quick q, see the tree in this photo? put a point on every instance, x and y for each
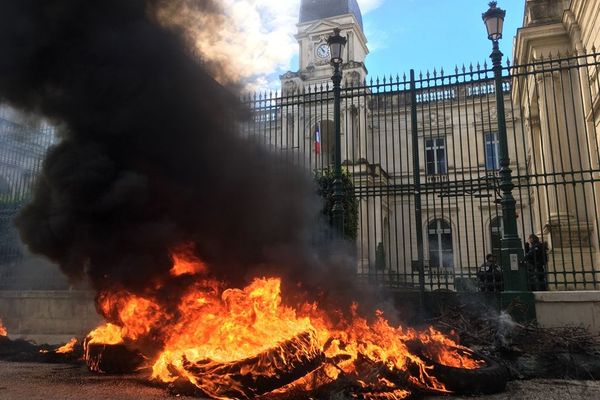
(324, 179)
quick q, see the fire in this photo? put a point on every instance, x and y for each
(226, 326)
(218, 337)
(185, 263)
(108, 334)
(3, 331)
(398, 394)
(68, 347)
(239, 324)
(446, 351)
(137, 315)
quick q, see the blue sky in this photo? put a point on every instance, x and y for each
(402, 34)
(423, 34)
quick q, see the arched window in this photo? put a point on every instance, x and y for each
(441, 254)
(496, 231)
(326, 130)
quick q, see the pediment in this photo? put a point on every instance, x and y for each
(325, 26)
(321, 25)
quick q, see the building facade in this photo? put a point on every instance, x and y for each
(423, 150)
(560, 104)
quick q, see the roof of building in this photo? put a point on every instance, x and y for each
(313, 10)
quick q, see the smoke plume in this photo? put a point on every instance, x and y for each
(149, 157)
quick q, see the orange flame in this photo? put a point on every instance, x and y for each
(67, 348)
(136, 314)
(397, 394)
(105, 334)
(215, 326)
(447, 352)
(227, 326)
(3, 331)
(186, 263)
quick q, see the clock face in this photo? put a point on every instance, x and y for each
(323, 51)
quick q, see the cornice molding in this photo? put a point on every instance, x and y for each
(553, 36)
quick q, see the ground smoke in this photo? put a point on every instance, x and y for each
(149, 157)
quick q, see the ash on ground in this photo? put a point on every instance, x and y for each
(527, 350)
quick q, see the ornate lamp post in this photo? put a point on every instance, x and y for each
(512, 251)
(336, 44)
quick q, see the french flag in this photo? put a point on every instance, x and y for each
(318, 140)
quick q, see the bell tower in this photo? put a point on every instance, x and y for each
(317, 20)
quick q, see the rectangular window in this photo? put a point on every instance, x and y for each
(441, 253)
(491, 151)
(435, 156)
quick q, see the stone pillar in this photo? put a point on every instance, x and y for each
(562, 138)
(552, 142)
(562, 132)
(540, 194)
(373, 210)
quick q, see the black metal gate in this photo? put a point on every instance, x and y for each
(22, 148)
(423, 153)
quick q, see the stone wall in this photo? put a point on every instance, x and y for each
(48, 316)
(560, 309)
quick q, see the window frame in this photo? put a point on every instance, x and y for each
(441, 242)
(440, 167)
(491, 141)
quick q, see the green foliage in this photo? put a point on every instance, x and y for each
(324, 179)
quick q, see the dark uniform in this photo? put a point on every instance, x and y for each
(537, 258)
(490, 277)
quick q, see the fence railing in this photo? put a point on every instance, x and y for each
(428, 220)
(553, 121)
(22, 148)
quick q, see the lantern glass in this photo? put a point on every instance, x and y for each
(336, 52)
(336, 44)
(494, 21)
(494, 28)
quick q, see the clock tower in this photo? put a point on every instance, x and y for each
(304, 124)
(318, 18)
(307, 110)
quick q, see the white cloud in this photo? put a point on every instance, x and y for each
(367, 6)
(257, 41)
(265, 42)
(269, 34)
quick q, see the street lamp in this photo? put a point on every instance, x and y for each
(515, 278)
(336, 44)
(494, 21)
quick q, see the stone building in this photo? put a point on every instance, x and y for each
(561, 107)
(457, 145)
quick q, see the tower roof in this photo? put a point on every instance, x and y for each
(312, 10)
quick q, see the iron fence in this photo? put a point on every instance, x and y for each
(423, 153)
(22, 148)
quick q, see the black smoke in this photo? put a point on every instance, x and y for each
(149, 157)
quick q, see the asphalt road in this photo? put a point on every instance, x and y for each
(22, 381)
